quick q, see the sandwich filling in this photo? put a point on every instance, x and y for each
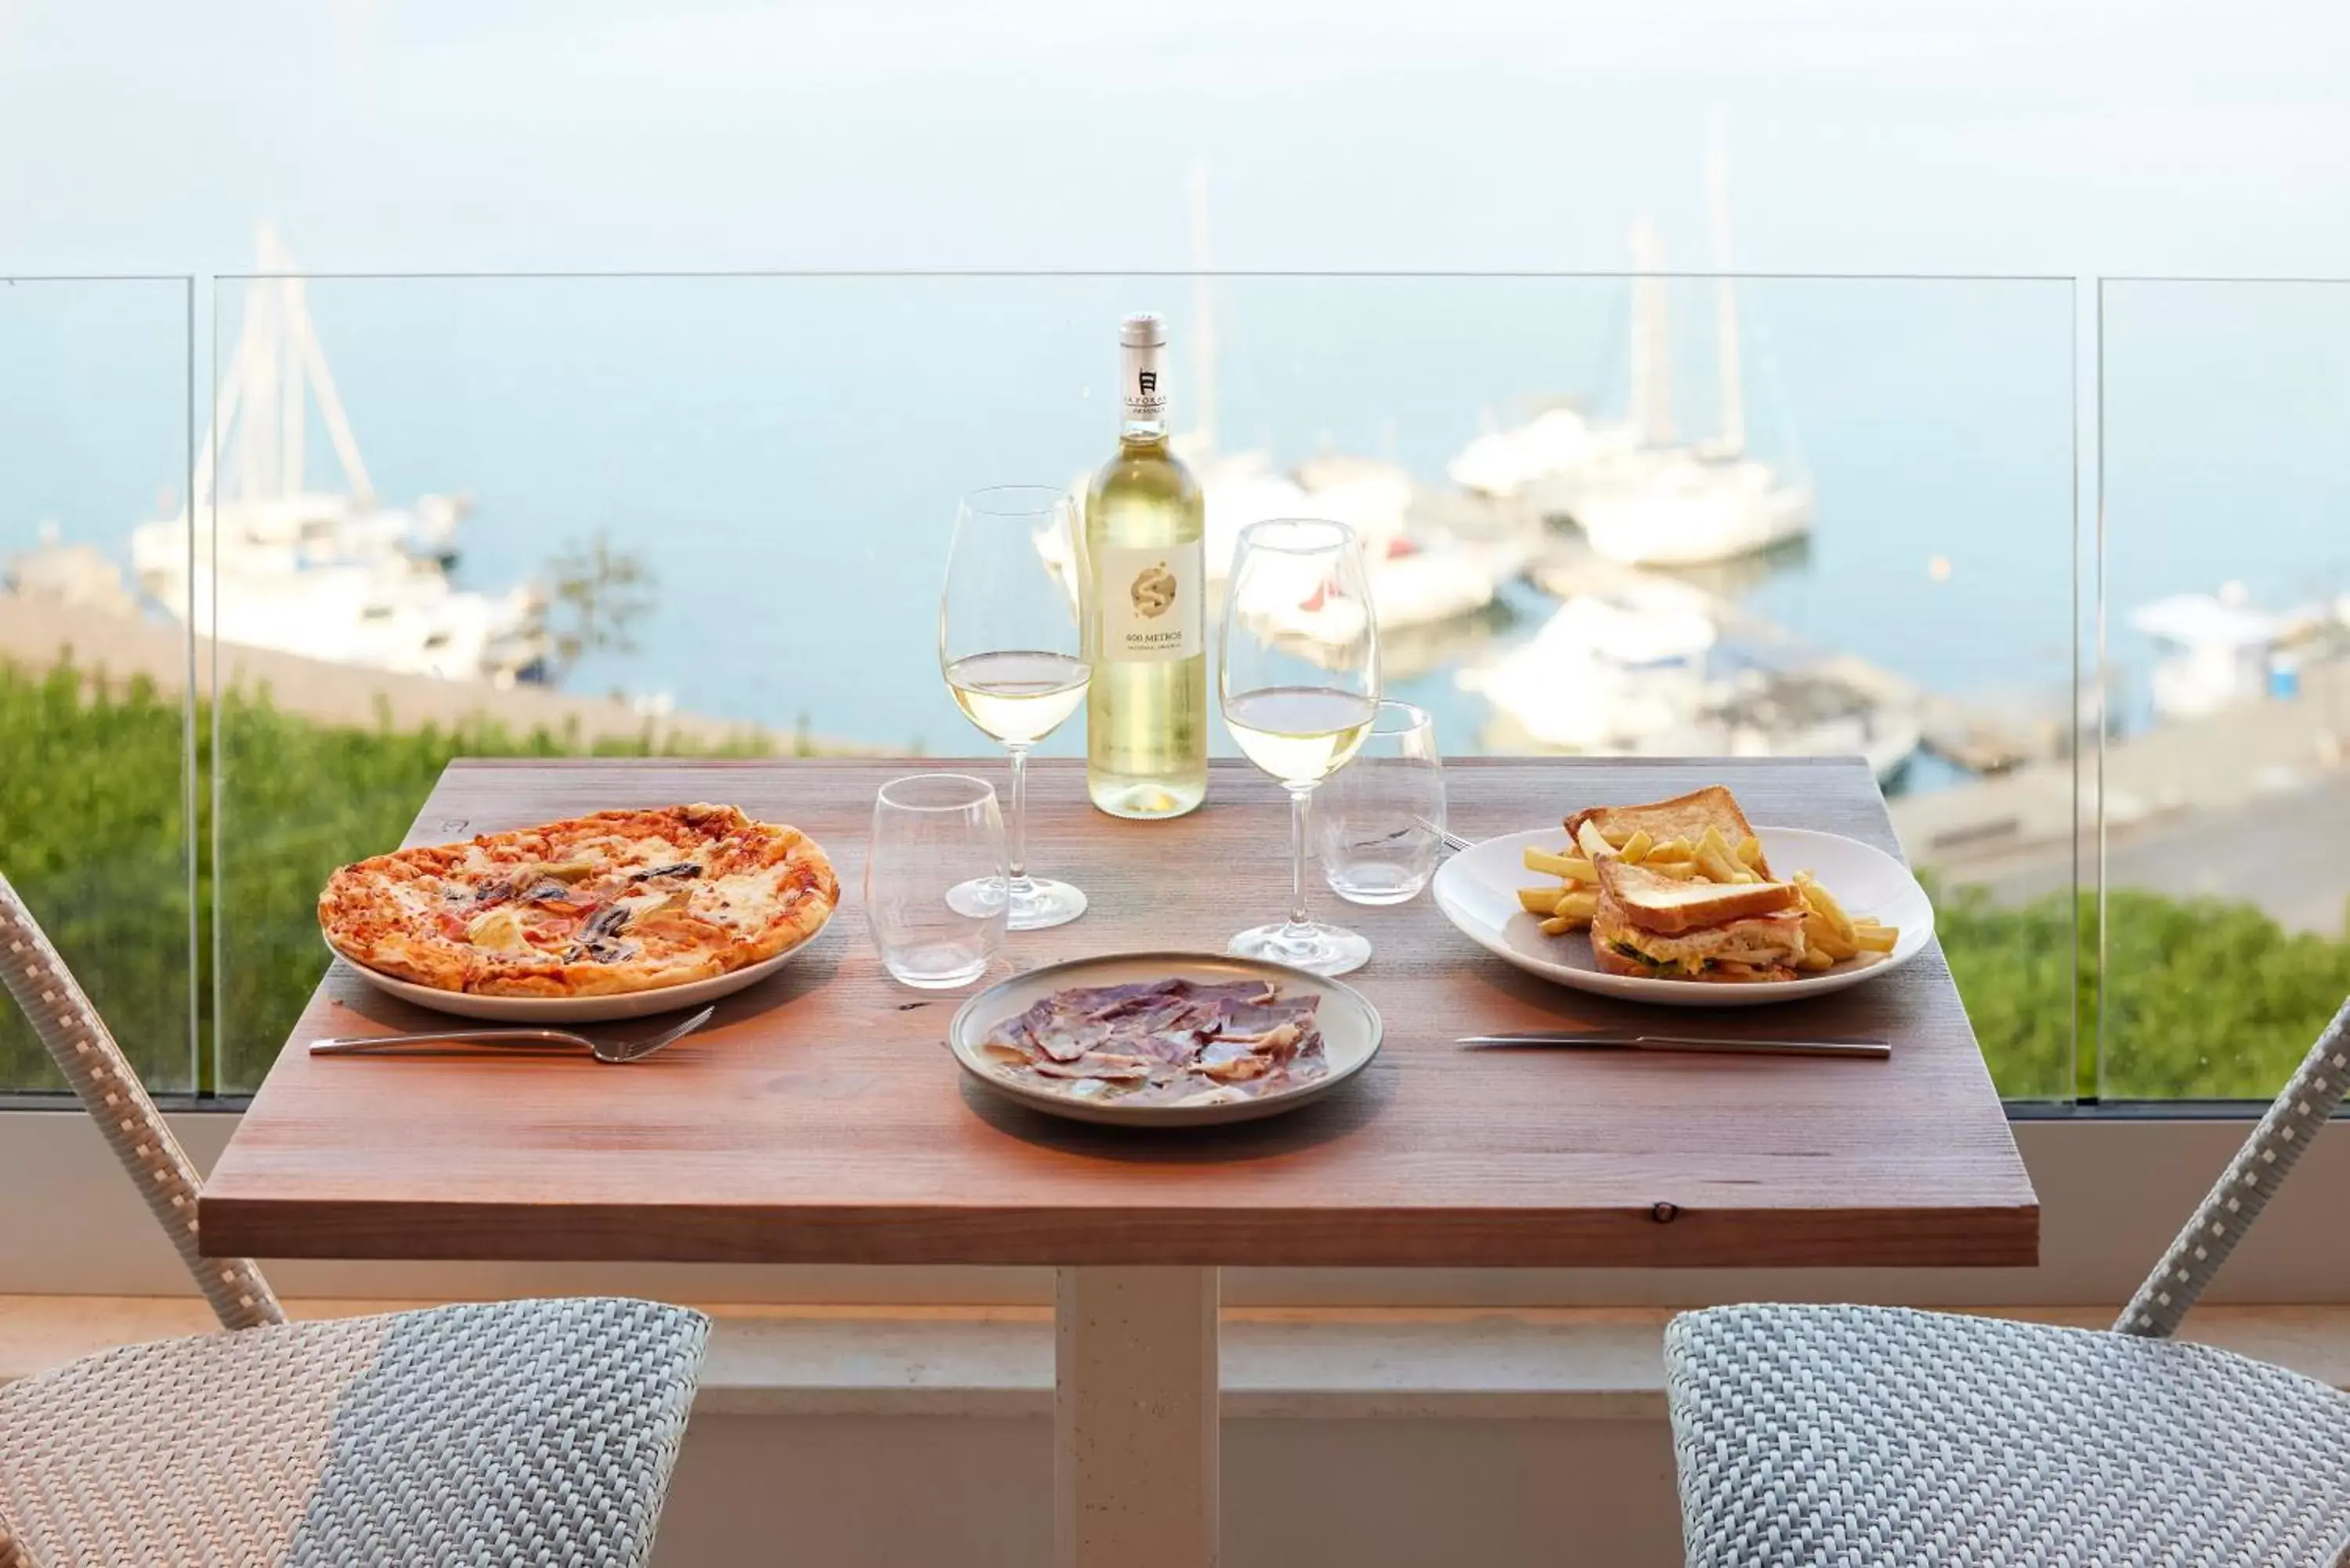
(1754, 947)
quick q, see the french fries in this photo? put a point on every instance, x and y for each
(1823, 902)
(1831, 934)
(1715, 860)
(1566, 866)
(1569, 904)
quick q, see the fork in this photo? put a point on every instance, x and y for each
(1451, 840)
(611, 1051)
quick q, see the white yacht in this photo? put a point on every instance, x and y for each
(1632, 670)
(329, 574)
(1692, 508)
(1607, 673)
(1639, 495)
(2219, 651)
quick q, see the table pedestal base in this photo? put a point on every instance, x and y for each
(1134, 1418)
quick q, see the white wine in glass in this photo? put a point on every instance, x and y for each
(1299, 734)
(1300, 687)
(1012, 641)
(1018, 695)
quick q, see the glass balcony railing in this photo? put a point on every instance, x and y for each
(101, 803)
(2226, 575)
(458, 515)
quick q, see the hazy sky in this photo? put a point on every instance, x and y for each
(1999, 135)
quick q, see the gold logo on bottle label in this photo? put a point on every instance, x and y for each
(1153, 591)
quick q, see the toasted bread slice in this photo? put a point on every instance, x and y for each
(1658, 903)
(1683, 817)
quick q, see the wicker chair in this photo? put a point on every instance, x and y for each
(531, 1432)
(1847, 1436)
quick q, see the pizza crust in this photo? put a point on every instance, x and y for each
(615, 902)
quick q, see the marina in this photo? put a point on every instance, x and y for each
(1576, 583)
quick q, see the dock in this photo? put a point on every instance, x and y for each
(39, 633)
(1978, 735)
(2251, 803)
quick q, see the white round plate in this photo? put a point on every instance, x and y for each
(1478, 891)
(1350, 1032)
(581, 1009)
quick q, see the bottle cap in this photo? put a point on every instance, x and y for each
(1145, 329)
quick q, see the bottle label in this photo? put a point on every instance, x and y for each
(1149, 601)
(1143, 385)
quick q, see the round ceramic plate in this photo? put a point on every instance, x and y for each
(581, 1009)
(1478, 891)
(1350, 1032)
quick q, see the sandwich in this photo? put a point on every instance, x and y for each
(1685, 816)
(1661, 928)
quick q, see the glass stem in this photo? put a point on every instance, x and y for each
(1297, 799)
(1016, 830)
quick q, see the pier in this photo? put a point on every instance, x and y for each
(2251, 803)
(38, 633)
(1977, 736)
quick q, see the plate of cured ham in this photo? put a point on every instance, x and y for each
(1165, 1039)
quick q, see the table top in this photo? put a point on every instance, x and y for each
(820, 1118)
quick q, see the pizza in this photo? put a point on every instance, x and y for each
(591, 906)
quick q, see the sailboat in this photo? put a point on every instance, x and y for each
(1639, 495)
(1418, 578)
(330, 574)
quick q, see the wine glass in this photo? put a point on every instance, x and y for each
(1299, 686)
(1011, 645)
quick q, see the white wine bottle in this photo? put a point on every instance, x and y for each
(1146, 710)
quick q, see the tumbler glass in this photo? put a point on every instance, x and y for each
(1378, 823)
(932, 833)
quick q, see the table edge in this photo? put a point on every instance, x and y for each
(1977, 1235)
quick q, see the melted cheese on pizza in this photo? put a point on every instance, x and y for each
(622, 893)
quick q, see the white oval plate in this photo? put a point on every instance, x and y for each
(1478, 891)
(581, 1009)
(1350, 1032)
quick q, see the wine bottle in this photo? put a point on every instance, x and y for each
(1147, 709)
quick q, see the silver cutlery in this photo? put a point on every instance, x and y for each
(1616, 1039)
(1451, 840)
(543, 1040)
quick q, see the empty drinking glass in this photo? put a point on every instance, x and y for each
(1378, 822)
(931, 833)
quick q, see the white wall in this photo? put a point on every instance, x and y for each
(882, 1491)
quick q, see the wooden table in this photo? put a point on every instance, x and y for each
(820, 1119)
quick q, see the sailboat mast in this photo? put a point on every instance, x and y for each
(1203, 315)
(1652, 349)
(293, 402)
(1725, 301)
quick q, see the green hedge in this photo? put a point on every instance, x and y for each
(93, 834)
(2203, 999)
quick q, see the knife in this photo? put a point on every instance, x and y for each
(1605, 1039)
